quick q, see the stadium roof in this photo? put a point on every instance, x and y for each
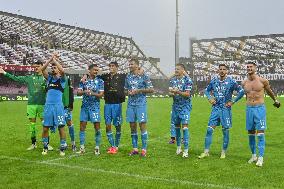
(258, 47)
(78, 46)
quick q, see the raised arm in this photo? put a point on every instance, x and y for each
(59, 66)
(43, 68)
(21, 79)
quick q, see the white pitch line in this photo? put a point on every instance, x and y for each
(67, 157)
(142, 177)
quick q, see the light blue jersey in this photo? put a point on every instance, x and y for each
(96, 85)
(181, 105)
(183, 84)
(133, 82)
(55, 88)
(222, 91)
(53, 109)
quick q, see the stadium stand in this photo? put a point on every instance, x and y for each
(24, 40)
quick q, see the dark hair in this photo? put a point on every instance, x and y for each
(38, 62)
(181, 65)
(136, 61)
(114, 63)
(91, 66)
(251, 63)
(224, 66)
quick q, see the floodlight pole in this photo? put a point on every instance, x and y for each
(177, 36)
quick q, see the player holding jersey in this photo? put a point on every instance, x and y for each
(219, 93)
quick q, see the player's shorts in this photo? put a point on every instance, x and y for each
(221, 116)
(180, 117)
(256, 117)
(54, 115)
(136, 114)
(113, 114)
(92, 115)
(34, 111)
(68, 114)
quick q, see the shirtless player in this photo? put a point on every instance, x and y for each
(254, 87)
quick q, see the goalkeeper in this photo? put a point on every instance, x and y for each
(36, 97)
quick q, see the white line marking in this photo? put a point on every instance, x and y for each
(68, 157)
(142, 177)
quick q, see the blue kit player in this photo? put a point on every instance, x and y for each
(219, 93)
(92, 89)
(137, 86)
(180, 89)
(54, 109)
(255, 87)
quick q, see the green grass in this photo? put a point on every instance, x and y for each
(161, 169)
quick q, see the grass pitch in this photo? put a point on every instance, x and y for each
(160, 169)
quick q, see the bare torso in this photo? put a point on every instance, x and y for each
(254, 90)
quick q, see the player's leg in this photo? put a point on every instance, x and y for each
(226, 122)
(98, 137)
(117, 122)
(185, 140)
(108, 119)
(131, 118)
(59, 121)
(62, 136)
(172, 131)
(142, 120)
(95, 118)
(31, 114)
(185, 119)
(49, 114)
(250, 127)
(45, 132)
(40, 112)
(214, 120)
(260, 127)
(261, 146)
(68, 119)
(82, 135)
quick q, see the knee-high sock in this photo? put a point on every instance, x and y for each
(178, 138)
(186, 138)
(110, 138)
(63, 144)
(117, 135)
(261, 144)
(173, 130)
(134, 138)
(33, 132)
(98, 137)
(71, 133)
(226, 138)
(144, 138)
(45, 142)
(252, 143)
(208, 137)
(82, 138)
